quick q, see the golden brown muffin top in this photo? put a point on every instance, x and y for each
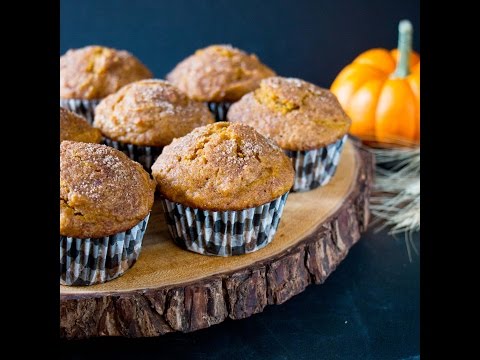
(223, 166)
(296, 114)
(149, 113)
(219, 73)
(75, 128)
(102, 191)
(94, 72)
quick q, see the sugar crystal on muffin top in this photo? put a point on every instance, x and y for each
(223, 166)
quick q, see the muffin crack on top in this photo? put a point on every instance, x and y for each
(223, 166)
(65, 202)
(298, 115)
(275, 102)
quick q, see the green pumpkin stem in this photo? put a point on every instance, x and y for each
(405, 30)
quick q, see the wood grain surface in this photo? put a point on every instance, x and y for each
(171, 289)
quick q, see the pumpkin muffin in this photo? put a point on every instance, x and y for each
(223, 188)
(305, 120)
(75, 128)
(144, 116)
(219, 75)
(89, 74)
(105, 202)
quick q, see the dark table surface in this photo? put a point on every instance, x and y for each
(369, 308)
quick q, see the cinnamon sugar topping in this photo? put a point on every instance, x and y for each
(223, 166)
(102, 191)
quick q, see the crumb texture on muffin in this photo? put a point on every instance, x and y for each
(150, 113)
(296, 114)
(75, 128)
(219, 73)
(94, 72)
(223, 166)
(102, 191)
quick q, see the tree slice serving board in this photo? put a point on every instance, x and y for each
(171, 289)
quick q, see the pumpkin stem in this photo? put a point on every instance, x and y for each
(405, 30)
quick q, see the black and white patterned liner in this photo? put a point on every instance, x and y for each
(219, 109)
(223, 233)
(145, 155)
(97, 260)
(314, 168)
(83, 107)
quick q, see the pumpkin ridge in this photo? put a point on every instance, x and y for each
(380, 92)
(362, 128)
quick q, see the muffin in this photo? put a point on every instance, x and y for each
(75, 128)
(219, 75)
(303, 119)
(142, 117)
(223, 188)
(105, 203)
(89, 74)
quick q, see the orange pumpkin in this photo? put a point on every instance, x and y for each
(380, 91)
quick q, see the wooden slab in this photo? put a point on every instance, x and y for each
(170, 289)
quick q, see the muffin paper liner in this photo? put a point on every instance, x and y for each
(219, 109)
(97, 260)
(223, 233)
(83, 107)
(314, 168)
(145, 155)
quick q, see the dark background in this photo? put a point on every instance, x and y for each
(369, 307)
(312, 40)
